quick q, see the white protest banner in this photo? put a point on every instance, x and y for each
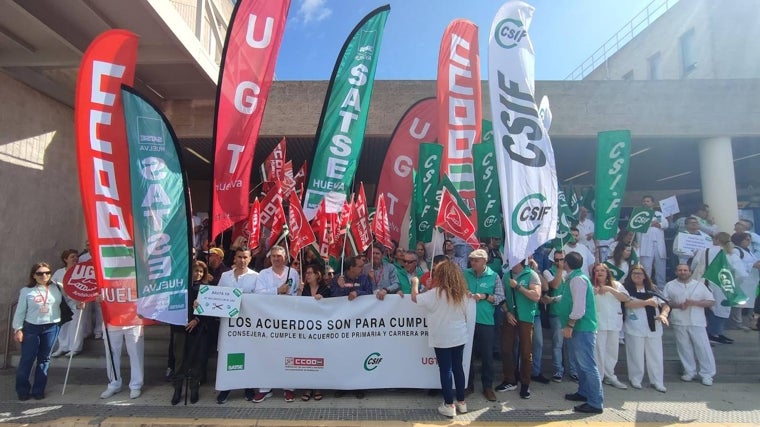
(669, 206)
(218, 301)
(291, 342)
(692, 242)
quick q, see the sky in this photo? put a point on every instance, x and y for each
(564, 34)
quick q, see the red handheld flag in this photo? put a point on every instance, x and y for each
(452, 219)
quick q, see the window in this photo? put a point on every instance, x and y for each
(655, 66)
(688, 52)
(628, 75)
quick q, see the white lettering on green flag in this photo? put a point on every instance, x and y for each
(344, 116)
(612, 160)
(428, 176)
(487, 196)
(159, 202)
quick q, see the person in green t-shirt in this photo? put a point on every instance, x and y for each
(520, 307)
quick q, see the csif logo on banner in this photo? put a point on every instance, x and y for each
(640, 219)
(610, 223)
(372, 361)
(509, 33)
(529, 213)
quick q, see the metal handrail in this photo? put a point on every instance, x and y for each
(8, 337)
(636, 25)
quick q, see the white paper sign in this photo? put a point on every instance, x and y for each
(217, 301)
(297, 342)
(669, 206)
(692, 242)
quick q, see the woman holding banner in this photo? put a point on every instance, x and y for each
(70, 340)
(314, 286)
(446, 308)
(36, 323)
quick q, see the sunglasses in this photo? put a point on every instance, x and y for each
(42, 273)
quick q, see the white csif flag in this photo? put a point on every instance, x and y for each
(525, 159)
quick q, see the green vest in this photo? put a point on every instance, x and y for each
(485, 284)
(587, 323)
(554, 308)
(403, 279)
(526, 309)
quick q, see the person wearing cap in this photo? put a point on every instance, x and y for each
(488, 291)
(216, 265)
(520, 308)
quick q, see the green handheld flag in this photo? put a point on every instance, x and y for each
(641, 219)
(488, 195)
(427, 188)
(721, 275)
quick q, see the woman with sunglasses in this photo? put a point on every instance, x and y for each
(36, 324)
(643, 330)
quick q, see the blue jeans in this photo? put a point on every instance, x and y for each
(715, 324)
(589, 382)
(37, 344)
(557, 344)
(450, 362)
(483, 345)
(538, 345)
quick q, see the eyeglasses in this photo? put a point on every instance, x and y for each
(637, 273)
(42, 273)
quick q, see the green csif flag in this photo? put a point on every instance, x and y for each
(412, 244)
(612, 160)
(344, 115)
(641, 219)
(587, 199)
(162, 230)
(426, 202)
(488, 195)
(720, 274)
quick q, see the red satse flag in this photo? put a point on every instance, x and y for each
(380, 225)
(300, 233)
(253, 227)
(452, 219)
(245, 77)
(271, 169)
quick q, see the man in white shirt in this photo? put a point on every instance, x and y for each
(586, 231)
(742, 226)
(684, 253)
(688, 300)
(588, 258)
(652, 245)
(246, 279)
(279, 279)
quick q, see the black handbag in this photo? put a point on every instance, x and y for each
(66, 313)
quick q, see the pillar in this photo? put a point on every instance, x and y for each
(716, 161)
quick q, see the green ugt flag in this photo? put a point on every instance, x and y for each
(488, 195)
(344, 115)
(612, 160)
(720, 274)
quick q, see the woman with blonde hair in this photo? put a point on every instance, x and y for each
(608, 295)
(446, 307)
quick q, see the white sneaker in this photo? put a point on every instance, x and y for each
(447, 411)
(687, 377)
(135, 393)
(615, 383)
(659, 387)
(637, 386)
(707, 381)
(461, 407)
(110, 391)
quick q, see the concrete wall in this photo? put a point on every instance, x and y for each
(40, 213)
(725, 35)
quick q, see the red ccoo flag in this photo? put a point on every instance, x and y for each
(253, 227)
(300, 233)
(452, 219)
